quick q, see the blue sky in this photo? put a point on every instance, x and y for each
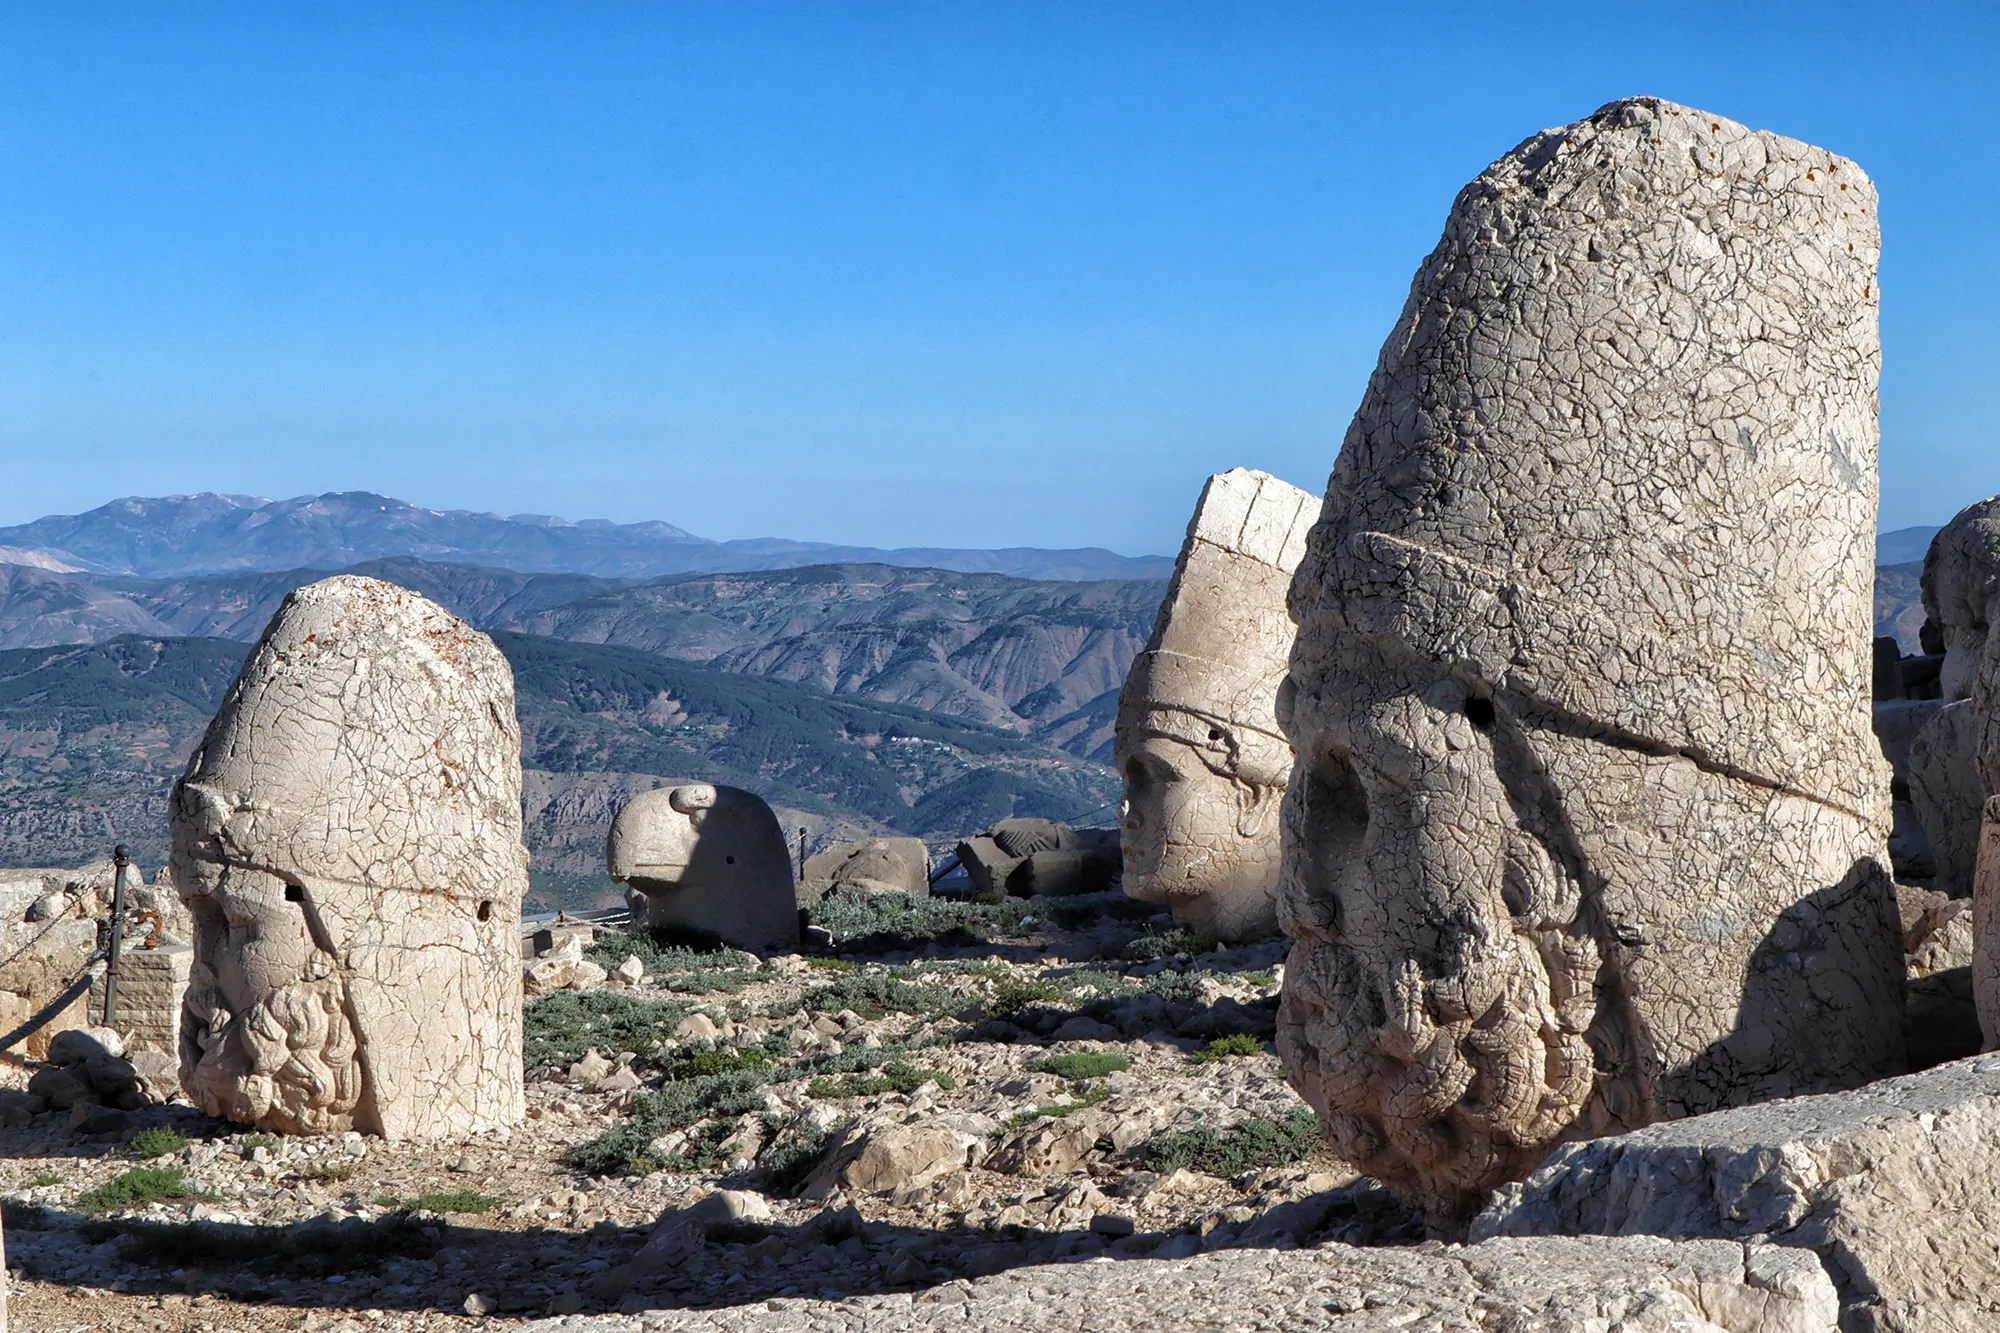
(887, 273)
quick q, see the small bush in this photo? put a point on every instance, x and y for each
(137, 1188)
(155, 1142)
(250, 1143)
(559, 1028)
(1172, 985)
(872, 995)
(329, 1172)
(660, 953)
(1061, 1109)
(708, 983)
(1253, 1144)
(790, 1158)
(704, 1064)
(1084, 1064)
(892, 922)
(45, 1178)
(894, 1077)
(309, 1249)
(626, 1147)
(1222, 1048)
(1169, 942)
(1012, 997)
(457, 1201)
(831, 964)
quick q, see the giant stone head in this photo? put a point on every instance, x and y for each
(348, 840)
(1198, 746)
(1587, 824)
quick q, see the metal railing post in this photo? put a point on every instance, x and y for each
(121, 859)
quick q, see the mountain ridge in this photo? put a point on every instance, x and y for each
(208, 533)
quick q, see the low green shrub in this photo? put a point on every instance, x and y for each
(559, 1028)
(309, 1249)
(789, 1158)
(1014, 996)
(626, 1147)
(894, 1077)
(872, 995)
(893, 922)
(1056, 1112)
(137, 1188)
(1238, 1044)
(703, 1064)
(661, 954)
(457, 1201)
(1168, 942)
(155, 1142)
(1253, 1144)
(1084, 1064)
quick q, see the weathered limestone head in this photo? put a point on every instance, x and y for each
(1961, 589)
(348, 840)
(1198, 743)
(1587, 825)
(706, 859)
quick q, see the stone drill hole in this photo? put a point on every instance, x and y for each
(486, 910)
(1479, 711)
(729, 860)
(294, 894)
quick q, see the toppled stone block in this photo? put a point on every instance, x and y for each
(1037, 858)
(1588, 826)
(1198, 745)
(348, 839)
(707, 860)
(885, 1155)
(877, 865)
(1894, 1186)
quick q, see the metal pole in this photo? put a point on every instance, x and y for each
(121, 859)
(802, 856)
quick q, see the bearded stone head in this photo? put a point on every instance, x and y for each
(1198, 746)
(347, 839)
(1587, 824)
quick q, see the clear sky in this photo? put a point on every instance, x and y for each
(888, 273)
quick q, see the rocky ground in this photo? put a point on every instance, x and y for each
(946, 1092)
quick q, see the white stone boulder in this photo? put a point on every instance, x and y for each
(1888, 1185)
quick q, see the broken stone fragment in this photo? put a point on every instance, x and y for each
(876, 865)
(1886, 1186)
(706, 860)
(348, 839)
(1198, 745)
(1588, 823)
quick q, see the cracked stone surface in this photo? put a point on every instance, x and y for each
(1588, 824)
(347, 838)
(1635, 1286)
(1961, 592)
(706, 858)
(1889, 1185)
(1955, 759)
(1198, 743)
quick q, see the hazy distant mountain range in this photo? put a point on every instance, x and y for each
(92, 736)
(178, 535)
(1032, 656)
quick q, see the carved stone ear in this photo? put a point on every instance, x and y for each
(1256, 805)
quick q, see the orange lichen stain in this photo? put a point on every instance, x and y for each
(1810, 176)
(1717, 128)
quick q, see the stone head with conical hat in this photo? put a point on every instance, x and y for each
(1587, 822)
(1198, 744)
